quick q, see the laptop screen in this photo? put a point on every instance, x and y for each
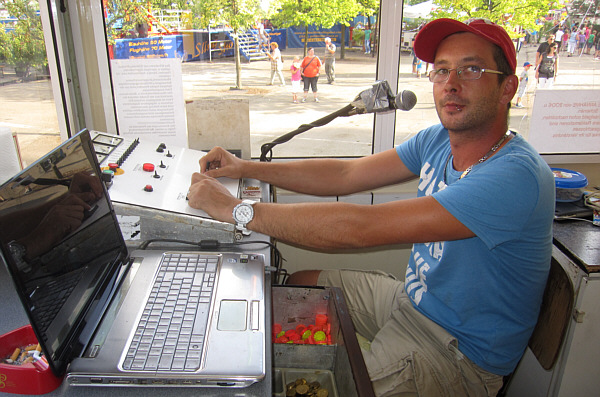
(62, 245)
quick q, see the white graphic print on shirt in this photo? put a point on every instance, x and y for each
(416, 278)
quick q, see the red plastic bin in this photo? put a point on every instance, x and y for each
(25, 378)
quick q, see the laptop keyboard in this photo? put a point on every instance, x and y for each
(170, 334)
(52, 296)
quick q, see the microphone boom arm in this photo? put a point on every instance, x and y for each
(377, 99)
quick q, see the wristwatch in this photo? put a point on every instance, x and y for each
(243, 213)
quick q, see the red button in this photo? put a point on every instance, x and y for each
(148, 167)
(148, 188)
(113, 166)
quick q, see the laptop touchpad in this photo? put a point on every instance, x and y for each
(232, 315)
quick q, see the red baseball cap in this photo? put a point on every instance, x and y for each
(432, 34)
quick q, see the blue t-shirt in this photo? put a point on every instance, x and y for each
(486, 291)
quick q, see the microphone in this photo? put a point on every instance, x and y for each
(380, 98)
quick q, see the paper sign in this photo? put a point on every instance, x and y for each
(149, 99)
(566, 121)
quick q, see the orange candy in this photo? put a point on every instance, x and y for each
(318, 333)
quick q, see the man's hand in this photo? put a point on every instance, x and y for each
(219, 162)
(87, 187)
(60, 220)
(209, 195)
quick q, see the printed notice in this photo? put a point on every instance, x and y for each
(149, 99)
(566, 121)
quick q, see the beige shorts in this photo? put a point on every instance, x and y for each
(409, 354)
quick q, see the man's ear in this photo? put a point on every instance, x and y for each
(510, 86)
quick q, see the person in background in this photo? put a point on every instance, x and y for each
(543, 47)
(572, 43)
(415, 60)
(580, 41)
(462, 316)
(421, 68)
(519, 42)
(547, 68)
(276, 64)
(263, 36)
(142, 29)
(329, 59)
(565, 40)
(558, 38)
(296, 70)
(311, 65)
(523, 80)
(591, 40)
(367, 41)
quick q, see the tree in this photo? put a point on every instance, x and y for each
(508, 13)
(238, 14)
(23, 47)
(324, 13)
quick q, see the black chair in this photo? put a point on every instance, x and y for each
(553, 321)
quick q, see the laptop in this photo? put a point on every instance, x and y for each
(104, 316)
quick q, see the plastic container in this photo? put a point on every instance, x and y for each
(569, 184)
(337, 365)
(25, 378)
(285, 376)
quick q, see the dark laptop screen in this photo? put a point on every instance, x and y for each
(61, 244)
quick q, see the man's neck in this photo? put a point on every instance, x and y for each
(468, 147)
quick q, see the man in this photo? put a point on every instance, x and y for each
(263, 37)
(544, 47)
(329, 60)
(466, 309)
(558, 38)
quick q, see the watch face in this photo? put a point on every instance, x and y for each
(244, 213)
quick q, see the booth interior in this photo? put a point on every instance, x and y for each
(62, 349)
(308, 340)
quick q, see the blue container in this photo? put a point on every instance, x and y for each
(569, 184)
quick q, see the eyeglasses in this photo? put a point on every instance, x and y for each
(468, 72)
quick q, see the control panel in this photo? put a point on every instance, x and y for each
(149, 174)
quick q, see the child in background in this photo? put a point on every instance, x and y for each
(523, 80)
(422, 68)
(419, 68)
(296, 77)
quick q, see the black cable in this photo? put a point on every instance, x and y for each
(266, 152)
(213, 245)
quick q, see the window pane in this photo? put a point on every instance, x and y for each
(28, 108)
(208, 73)
(578, 71)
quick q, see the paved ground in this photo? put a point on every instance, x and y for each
(28, 108)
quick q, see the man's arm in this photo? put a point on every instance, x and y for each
(335, 225)
(320, 177)
(327, 225)
(343, 225)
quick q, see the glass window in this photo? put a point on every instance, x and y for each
(577, 70)
(221, 102)
(28, 108)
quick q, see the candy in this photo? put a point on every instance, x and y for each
(318, 333)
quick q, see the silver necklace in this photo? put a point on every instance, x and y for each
(481, 160)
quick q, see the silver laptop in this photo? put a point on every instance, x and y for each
(107, 317)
